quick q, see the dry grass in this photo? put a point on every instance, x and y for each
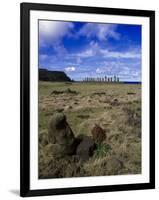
(85, 104)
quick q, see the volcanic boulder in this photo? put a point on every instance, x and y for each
(85, 148)
(61, 134)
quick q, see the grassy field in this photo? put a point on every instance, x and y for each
(114, 107)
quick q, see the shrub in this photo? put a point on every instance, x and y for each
(102, 150)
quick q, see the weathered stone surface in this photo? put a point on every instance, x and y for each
(60, 133)
(85, 148)
(58, 151)
(98, 134)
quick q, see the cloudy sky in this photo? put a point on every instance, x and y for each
(84, 49)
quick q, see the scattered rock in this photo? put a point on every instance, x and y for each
(68, 83)
(115, 102)
(67, 91)
(68, 107)
(56, 92)
(131, 93)
(83, 116)
(99, 93)
(59, 109)
(85, 148)
(60, 133)
(98, 134)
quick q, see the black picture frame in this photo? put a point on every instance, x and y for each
(25, 9)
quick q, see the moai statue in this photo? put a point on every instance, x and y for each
(105, 79)
(61, 134)
(114, 78)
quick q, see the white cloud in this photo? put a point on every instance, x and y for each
(59, 48)
(108, 67)
(125, 70)
(43, 57)
(95, 50)
(53, 30)
(86, 53)
(100, 70)
(92, 50)
(78, 60)
(70, 69)
(115, 54)
(101, 31)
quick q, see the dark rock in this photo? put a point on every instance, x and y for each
(56, 92)
(131, 93)
(67, 91)
(68, 107)
(99, 93)
(46, 75)
(85, 148)
(83, 116)
(60, 133)
(115, 102)
(59, 109)
(98, 134)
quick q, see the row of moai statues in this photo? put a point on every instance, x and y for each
(102, 79)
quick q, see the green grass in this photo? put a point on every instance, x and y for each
(102, 150)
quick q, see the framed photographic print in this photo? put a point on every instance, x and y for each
(87, 99)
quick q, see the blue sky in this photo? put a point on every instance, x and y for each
(82, 49)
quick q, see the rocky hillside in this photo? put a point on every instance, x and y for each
(45, 75)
